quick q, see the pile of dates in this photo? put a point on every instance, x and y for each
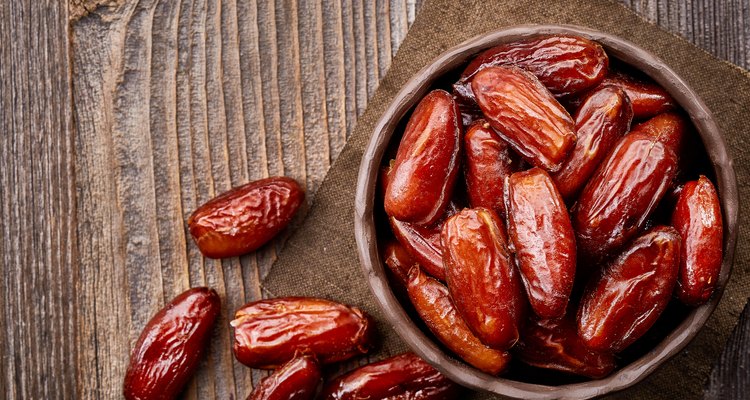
(548, 210)
(294, 336)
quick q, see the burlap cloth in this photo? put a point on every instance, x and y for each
(320, 258)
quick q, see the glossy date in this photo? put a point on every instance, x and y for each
(669, 128)
(487, 161)
(648, 98)
(555, 344)
(626, 188)
(433, 303)
(423, 244)
(565, 65)
(524, 114)
(405, 376)
(601, 121)
(398, 261)
(627, 297)
(543, 240)
(697, 217)
(298, 379)
(245, 218)
(268, 333)
(422, 177)
(171, 346)
(481, 277)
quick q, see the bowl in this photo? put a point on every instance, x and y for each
(672, 334)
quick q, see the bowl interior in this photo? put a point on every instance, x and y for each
(678, 323)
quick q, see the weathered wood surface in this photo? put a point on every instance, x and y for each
(114, 129)
(730, 378)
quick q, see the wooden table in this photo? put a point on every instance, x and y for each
(119, 117)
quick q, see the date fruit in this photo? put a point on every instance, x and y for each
(423, 243)
(268, 333)
(623, 192)
(565, 65)
(171, 346)
(488, 160)
(399, 261)
(433, 303)
(555, 344)
(668, 128)
(543, 240)
(648, 99)
(627, 297)
(600, 122)
(481, 277)
(405, 376)
(524, 114)
(427, 162)
(697, 217)
(245, 218)
(296, 380)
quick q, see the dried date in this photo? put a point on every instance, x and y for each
(481, 277)
(488, 160)
(627, 297)
(422, 177)
(171, 346)
(555, 344)
(245, 218)
(626, 188)
(298, 379)
(433, 303)
(697, 217)
(268, 333)
(602, 120)
(524, 113)
(405, 376)
(543, 240)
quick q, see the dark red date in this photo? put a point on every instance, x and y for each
(423, 243)
(481, 277)
(600, 122)
(697, 217)
(171, 346)
(555, 344)
(543, 240)
(623, 192)
(628, 296)
(245, 218)
(427, 162)
(433, 303)
(524, 113)
(268, 333)
(405, 376)
(564, 64)
(296, 380)
(399, 261)
(648, 99)
(668, 128)
(488, 160)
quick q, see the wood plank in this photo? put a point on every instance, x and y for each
(720, 27)
(37, 204)
(730, 379)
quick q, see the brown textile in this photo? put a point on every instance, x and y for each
(320, 258)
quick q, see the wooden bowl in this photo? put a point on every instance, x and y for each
(678, 324)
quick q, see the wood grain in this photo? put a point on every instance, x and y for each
(37, 204)
(730, 378)
(117, 126)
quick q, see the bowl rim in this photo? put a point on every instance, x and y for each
(367, 246)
